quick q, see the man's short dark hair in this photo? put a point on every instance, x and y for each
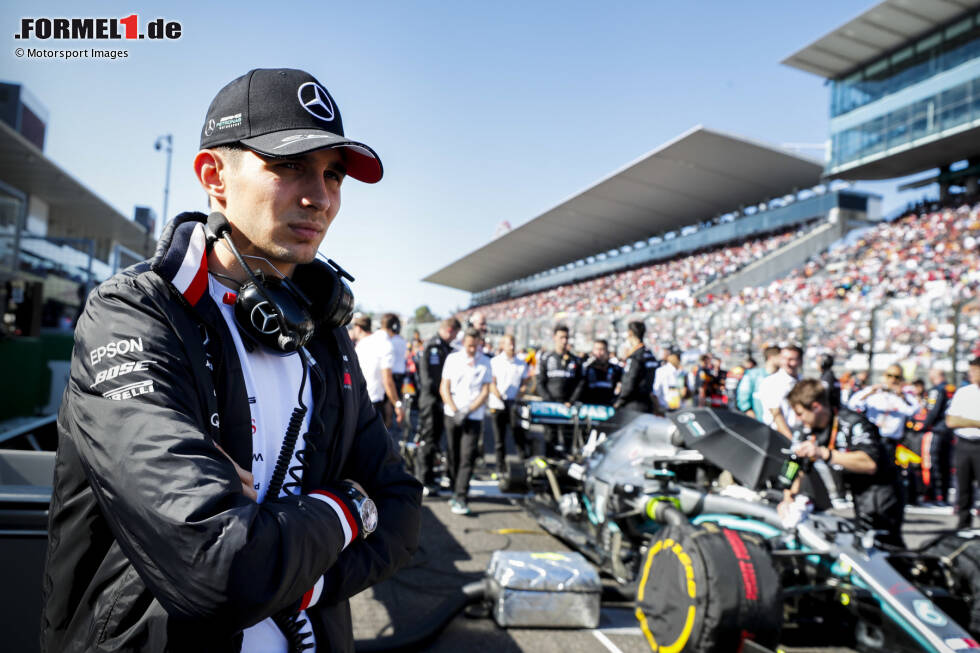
(391, 321)
(232, 149)
(807, 391)
(231, 153)
(825, 362)
(601, 341)
(473, 332)
(638, 329)
(560, 327)
(363, 322)
(770, 352)
(450, 323)
(975, 362)
(793, 347)
(919, 383)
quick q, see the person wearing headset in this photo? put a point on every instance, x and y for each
(223, 482)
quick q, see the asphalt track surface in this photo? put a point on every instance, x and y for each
(455, 550)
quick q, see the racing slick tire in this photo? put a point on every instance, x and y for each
(962, 554)
(708, 589)
(514, 477)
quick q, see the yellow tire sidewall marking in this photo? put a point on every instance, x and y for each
(678, 644)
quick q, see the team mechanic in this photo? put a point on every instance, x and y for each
(639, 372)
(168, 531)
(559, 372)
(849, 440)
(429, 363)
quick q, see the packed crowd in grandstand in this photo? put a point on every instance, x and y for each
(911, 272)
(649, 288)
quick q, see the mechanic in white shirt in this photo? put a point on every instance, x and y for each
(477, 321)
(669, 383)
(465, 386)
(509, 374)
(392, 326)
(886, 405)
(376, 358)
(963, 416)
(777, 413)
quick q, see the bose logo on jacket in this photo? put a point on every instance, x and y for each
(120, 370)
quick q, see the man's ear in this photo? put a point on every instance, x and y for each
(210, 170)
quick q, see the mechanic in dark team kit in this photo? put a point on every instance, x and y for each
(431, 419)
(559, 372)
(936, 446)
(599, 378)
(235, 487)
(826, 364)
(638, 374)
(843, 438)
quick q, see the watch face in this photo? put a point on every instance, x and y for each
(369, 516)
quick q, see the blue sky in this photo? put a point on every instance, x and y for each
(481, 112)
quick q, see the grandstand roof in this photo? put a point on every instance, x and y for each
(694, 177)
(877, 31)
(73, 210)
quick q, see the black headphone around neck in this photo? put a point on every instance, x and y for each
(274, 311)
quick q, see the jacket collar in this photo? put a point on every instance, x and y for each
(181, 256)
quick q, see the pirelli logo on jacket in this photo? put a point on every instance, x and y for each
(130, 391)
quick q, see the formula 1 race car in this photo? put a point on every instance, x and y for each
(681, 512)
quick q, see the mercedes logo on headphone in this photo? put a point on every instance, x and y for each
(316, 101)
(264, 319)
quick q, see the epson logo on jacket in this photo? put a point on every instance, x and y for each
(115, 348)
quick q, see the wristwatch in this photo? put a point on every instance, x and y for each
(365, 508)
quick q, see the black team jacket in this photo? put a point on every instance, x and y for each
(152, 544)
(638, 375)
(558, 376)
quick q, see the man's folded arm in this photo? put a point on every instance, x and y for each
(172, 499)
(377, 466)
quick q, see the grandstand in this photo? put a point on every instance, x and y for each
(712, 242)
(57, 239)
(904, 291)
(701, 190)
(905, 92)
(53, 230)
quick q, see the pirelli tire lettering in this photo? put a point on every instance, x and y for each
(708, 589)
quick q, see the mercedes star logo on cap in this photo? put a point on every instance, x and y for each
(316, 101)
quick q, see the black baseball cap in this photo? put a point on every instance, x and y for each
(284, 112)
